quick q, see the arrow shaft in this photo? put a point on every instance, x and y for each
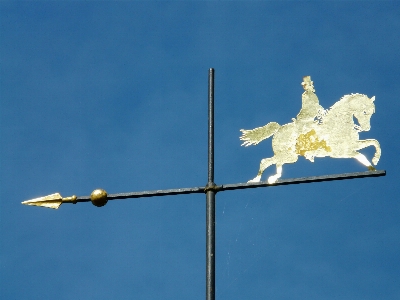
(239, 186)
(143, 194)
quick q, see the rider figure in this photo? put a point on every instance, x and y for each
(309, 117)
(310, 108)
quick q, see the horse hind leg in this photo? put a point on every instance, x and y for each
(274, 178)
(265, 163)
(280, 160)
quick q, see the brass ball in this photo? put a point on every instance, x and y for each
(99, 197)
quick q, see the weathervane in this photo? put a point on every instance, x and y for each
(317, 132)
(314, 133)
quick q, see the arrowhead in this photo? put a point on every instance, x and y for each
(51, 201)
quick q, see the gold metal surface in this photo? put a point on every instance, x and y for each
(99, 197)
(71, 199)
(51, 201)
(317, 132)
(308, 142)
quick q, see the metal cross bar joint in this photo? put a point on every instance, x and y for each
(211, 186)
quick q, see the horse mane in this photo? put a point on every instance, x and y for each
(343, 100)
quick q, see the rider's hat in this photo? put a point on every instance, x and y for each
(307, 83)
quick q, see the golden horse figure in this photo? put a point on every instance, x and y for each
(330, 133)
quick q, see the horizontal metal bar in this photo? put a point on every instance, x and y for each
(148, 194)
(239, 186)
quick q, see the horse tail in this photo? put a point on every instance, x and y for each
(256, 135)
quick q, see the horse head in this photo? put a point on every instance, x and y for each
(363, 108)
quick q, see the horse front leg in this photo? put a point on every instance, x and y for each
(362, 159)
(265, 163)
(371, 142)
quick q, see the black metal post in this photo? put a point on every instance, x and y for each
(210, 195)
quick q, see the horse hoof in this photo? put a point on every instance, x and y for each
(272, 179)
(256, 179)
(375, 161)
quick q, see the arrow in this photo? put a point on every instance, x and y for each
(99, 197)
(51, 201)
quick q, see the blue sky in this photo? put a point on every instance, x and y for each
(113, 95)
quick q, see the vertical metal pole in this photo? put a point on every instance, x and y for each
(210, 195)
